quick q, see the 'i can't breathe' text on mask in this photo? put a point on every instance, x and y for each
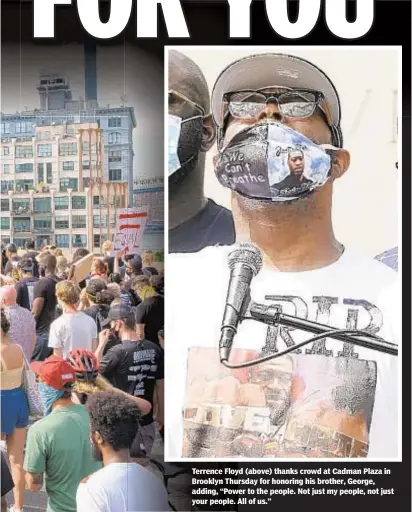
(270, 161)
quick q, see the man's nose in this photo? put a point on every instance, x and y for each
(271, 111)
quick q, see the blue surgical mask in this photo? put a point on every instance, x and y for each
(270, 161)
(48, 396)
(184, 142)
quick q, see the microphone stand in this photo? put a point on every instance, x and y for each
(272, 315)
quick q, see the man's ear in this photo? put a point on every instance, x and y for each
(208, 133)
(340, 163)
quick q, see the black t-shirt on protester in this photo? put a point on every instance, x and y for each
(45, 288)
(25, 292)
(213, 225)
(134, 367)
(151, 313)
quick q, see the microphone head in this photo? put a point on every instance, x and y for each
(248, 254)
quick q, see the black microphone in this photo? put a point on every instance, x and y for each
(245, 262)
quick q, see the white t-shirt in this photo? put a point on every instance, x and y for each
(339, 400)
(122, 488)
(71, 331)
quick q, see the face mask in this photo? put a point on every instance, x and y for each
(48, 396)
(272, 162)
(184, 142)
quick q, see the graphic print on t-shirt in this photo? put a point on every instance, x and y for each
(314, 402)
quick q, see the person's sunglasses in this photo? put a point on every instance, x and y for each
(249, 104)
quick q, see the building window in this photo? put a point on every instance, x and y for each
(5, 223)
(79, 241)
(66, 183)
(63, 241)
(99, 222)
(86, 164)
(62, 222)
(42, 205)
(97, 241)
(115, 175)
(21, 225)
(78, 202)
(40, 173)
(6, 186)
(5, 205)
(23, 127)
(49, 173)
(42, 225)
(6, 169)
(20, 243)
(24, 168)
(68, 148)
(68, 166)
(115, 122)
(61, 203)
(112, 220)
(44, 150)
(6, 150)
(5, 128)
(24, 152)
(96, 201)
(115, 156)
(24, 185)
(78, 221)
(115, 138)
(85, 147)
(86, 182)
(21, 205)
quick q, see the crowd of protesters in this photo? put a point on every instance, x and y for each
(96, 348)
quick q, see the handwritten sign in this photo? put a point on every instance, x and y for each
(129, 230)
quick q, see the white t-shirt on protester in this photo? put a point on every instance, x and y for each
(121, 487)
(340, 401)
(71, 331)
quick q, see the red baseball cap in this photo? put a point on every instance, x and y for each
(55, 372)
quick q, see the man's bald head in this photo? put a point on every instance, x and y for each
(186, 77)
(8, 296)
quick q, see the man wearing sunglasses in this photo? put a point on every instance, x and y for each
(195, 222)
(335, 399)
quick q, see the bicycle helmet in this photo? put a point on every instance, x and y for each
(84, 363)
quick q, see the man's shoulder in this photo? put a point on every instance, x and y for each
(370, 266)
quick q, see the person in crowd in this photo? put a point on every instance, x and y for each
(4, 258)
(80, 253)
(149, 313)
(306, 271)
(121, 484)
(32, 254)
(148, 262)
(12, 260)
(158, 283)
(99, 270)
(14, 409)
(116, 291)
(58, 445)
(133, 268)
(136, 366)
(127, 294)
(27, 281)
(98, 298)
(7, 483)
(22, 325)
(73, 329)
(44, 305)
(109, 259)
(61, 267)
(389, 258)
(89, 381)
(195, 222)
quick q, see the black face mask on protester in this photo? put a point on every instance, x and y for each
(185, 141)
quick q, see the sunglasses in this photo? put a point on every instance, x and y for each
(248, 104)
